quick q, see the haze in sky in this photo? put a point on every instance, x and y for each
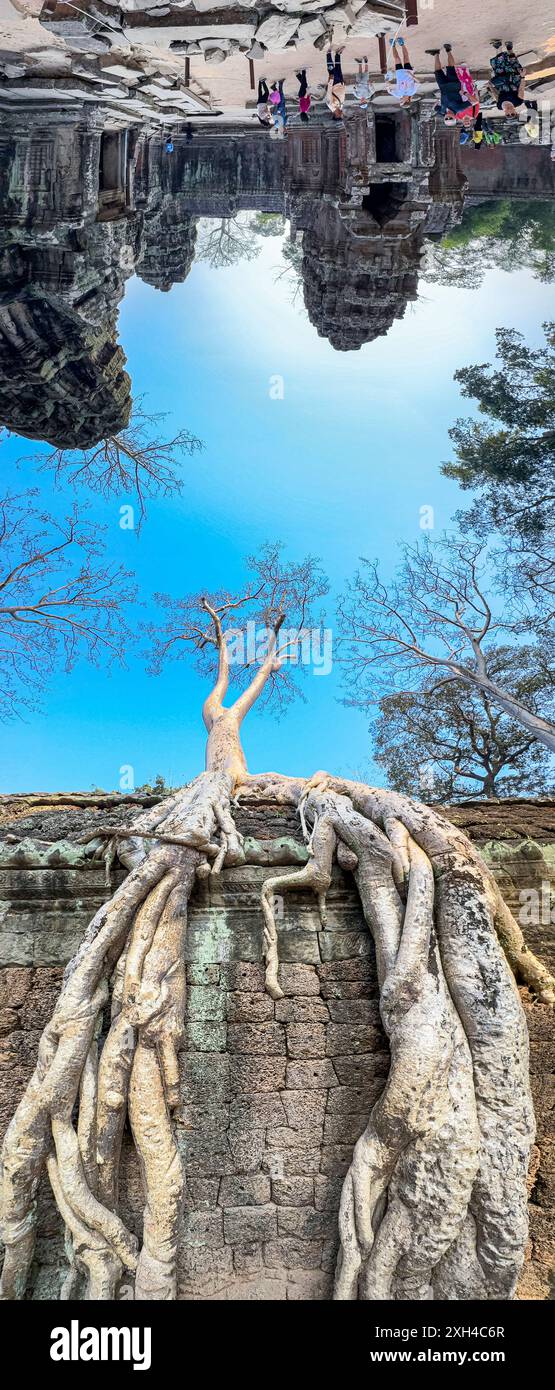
(339, 467)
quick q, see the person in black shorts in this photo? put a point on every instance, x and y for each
(511, 102)
(452, 102)
(506, 69)
(508, 80)
(262, 109)
(406, 85)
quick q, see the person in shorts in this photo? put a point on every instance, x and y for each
(363, 89)
(508, 79)
(262, 100)
(405, 85)
(454, 104)
(506, 69)
(335, 89)
(303, 95)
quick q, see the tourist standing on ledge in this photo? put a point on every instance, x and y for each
(459, 98)
(506, 69)
(363, 89)
(508, 80)
(279, 113)
(262, 108)
(304, 94)
(405, 86)
(335, 90)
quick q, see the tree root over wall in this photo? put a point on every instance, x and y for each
(434, 1203)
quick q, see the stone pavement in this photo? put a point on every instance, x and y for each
(228, 84)
(469, 27)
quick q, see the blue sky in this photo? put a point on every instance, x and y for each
(340, 468)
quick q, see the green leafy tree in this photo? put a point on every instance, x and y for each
(268, 224)
(509, 454)
(447, 741)
(496, 235)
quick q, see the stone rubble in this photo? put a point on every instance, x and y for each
(273, 28)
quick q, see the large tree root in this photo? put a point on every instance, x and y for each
(139, 934)
(434, 1203)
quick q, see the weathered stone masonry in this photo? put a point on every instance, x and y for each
(274, 1095)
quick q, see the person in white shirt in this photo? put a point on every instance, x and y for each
(363, 89)
(406, 84)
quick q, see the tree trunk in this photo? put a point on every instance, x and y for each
(542, 729)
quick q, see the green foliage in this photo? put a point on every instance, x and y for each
(291, 268)
(487, 219)
(511, 457)
(159, 787)
(268, 224)
(506, 235)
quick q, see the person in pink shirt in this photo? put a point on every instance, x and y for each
(304, 94)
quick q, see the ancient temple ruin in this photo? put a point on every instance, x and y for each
(85, 205)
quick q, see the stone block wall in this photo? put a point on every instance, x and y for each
(274, 1094)
(270, 1117)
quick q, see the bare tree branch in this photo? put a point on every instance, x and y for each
(58, 599)
(139, 461)
(222, 630)
(436, 615)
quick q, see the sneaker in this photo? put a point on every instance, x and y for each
(433, 51)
